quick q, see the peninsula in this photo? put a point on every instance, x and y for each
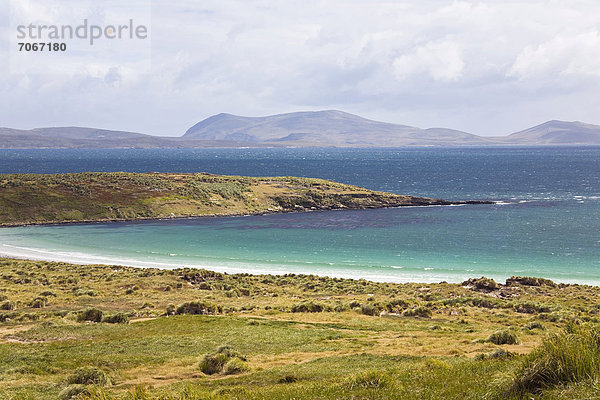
(98, 196)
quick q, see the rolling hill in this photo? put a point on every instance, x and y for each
(329, 128)
(557, 132)
(298, 129)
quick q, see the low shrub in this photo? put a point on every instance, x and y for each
(397, 304)
(340, 308)
(89, 314)
(483, 284)
(39, 302)
(503, 337)
(529, 281)
(420, 311)
(7, 316)
(354, 304)
(369, 309)
(89, 376)
(308, 306)
(531, 308)
(7, 305)
(199, 308)
(171, 309)
(485, 303)
(118, 318)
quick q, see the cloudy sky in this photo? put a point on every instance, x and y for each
(486, 67)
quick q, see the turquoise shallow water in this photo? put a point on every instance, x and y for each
(549, 225)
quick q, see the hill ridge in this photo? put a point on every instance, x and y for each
(321, 128)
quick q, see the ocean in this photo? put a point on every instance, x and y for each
(546, 221)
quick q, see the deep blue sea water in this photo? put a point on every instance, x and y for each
(548, 224)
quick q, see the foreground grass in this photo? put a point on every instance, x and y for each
(291, 336)
(100, 196)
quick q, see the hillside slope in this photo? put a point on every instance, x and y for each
(30, 198)
(325, 128)
(557, 132)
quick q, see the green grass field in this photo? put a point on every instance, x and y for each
(111, 332)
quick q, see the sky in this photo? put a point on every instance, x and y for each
(486, 67)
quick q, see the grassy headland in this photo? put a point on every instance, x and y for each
(112, 332)
(98, 196)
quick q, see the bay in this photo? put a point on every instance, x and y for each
(547, 222)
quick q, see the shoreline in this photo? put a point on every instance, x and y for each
(233, 270)
(442, 203)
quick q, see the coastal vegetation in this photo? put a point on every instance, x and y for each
(99, 196)
(112, 332)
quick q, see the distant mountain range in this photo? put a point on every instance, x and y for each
(298, 129)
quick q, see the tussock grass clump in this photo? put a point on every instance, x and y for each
(340, 308)
(529, 281)
(420, 311)
(73, 391)
(199, 308)
(354, 304)
(485, 303)
(531, 308)
(483, 284)
(534, 325)
(89, 314)
(171, 309)
(288, 379)
(118, 318)
(39, 302)
(497, 354)
(224, 359)
(503, 337)
(370, 380)
(235, 366)
(7, 305)
(213, 363)
(230, 352)
(309, 306)
(569, 356)
(84, 292)
(89, 376)
(369, 309)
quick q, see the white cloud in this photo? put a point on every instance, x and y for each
(561, 55)
(441, 60)
(483, 66)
